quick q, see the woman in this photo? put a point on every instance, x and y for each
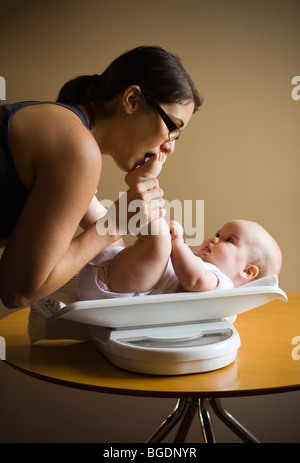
(50, 163)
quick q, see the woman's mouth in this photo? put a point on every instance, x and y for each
(140, 163)
(148, 156)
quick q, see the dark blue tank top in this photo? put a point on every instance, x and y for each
(13, 193)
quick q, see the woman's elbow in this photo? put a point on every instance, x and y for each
(11, 301)
(19, 289)
(14, 299)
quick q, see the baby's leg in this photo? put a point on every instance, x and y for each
(139, 267)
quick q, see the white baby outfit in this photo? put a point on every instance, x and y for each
(90, 286)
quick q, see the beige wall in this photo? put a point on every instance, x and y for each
(241, 152)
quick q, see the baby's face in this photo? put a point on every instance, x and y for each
(229, 248)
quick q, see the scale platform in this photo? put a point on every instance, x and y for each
(167, 334)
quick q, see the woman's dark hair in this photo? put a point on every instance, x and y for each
(159, 74)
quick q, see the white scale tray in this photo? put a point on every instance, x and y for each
(169, 334)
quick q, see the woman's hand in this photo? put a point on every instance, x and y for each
(144, 196)
(145, 199)
(142, 203)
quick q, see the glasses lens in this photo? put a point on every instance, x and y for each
(174, 135)
(174, 132)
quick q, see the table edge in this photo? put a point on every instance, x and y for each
(155, 393)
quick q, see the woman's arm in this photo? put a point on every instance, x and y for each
(188, 267)
(42, 253)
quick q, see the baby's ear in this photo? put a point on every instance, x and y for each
(250, 272)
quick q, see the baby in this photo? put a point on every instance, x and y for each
(160, 261)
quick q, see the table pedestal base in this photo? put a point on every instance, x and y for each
(184, 413)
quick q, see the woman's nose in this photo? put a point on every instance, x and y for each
(168, 146)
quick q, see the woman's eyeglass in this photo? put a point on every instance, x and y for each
(174, 131)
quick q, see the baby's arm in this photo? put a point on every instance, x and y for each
(93, 213)
(188, 267)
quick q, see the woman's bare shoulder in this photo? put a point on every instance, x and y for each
(50, 136)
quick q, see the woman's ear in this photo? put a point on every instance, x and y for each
(250, 272)
(131, 98)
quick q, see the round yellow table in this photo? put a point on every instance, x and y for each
(266, 363)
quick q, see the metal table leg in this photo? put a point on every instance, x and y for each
(186, 421)
(169, 423)
(205, 421)
(231, 422)
(185, 410)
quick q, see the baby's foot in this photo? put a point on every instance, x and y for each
(150, 169)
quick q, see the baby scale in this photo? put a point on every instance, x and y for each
(167, 334)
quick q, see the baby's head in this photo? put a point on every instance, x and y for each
(244, 251)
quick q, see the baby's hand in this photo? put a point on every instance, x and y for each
(176, 230)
